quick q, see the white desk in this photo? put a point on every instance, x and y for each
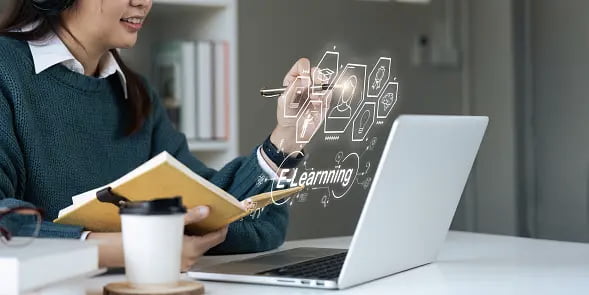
(468, 264)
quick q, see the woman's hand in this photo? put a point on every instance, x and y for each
(110, 249)
(193, 247)
(292, 108)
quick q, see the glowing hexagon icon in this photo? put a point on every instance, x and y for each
(387, 100)
(348, 95)
(326, 71)
(300, 87)
(364, 121)
(308, 120)
(379, 77)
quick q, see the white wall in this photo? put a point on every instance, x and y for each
(493, 94)
(560, 43)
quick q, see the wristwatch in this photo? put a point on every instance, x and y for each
(280, 158)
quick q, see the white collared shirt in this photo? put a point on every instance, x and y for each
(53, 51)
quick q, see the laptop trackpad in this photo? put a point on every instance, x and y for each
(272, 260)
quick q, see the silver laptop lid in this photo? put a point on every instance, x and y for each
(424, 168)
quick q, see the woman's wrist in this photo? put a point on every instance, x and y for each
(279, 152)
(268, 161)
(110, 249)
(284, 139)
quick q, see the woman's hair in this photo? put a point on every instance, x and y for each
(21, 13)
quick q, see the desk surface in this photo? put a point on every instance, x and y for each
(467, 264)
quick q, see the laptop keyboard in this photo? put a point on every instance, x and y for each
(324, 268)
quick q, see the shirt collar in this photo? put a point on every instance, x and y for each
(52, 51)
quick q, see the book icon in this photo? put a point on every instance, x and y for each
(299, 94)
(325, 75)
(300, 89)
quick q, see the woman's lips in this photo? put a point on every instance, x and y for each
(132, 27)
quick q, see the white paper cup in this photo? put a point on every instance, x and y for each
(152, 242)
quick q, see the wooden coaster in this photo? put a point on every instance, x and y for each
(183, 288)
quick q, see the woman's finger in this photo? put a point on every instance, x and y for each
(317, 76)
(190, 252)
(222, 235)
(196, 214)
(247, 204)
(301, 68)
(207, 241)
(195, 246)
(217, 237)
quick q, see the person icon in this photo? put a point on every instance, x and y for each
(308, 121)
(343, 110)
(378, 78)
(339, 156)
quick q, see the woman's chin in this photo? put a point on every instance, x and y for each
(127, 46)
(128, 43)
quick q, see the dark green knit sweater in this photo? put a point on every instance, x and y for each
(62, 133)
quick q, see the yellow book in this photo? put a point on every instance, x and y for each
(161, 177)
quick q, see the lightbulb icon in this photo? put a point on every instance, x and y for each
(364, 121)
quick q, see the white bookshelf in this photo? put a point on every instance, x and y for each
(194, 20)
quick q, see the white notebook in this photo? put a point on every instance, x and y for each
(45, 262)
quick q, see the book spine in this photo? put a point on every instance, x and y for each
(227, 91)
(188, 78)
(215, 72)
(221, 91)
(166, 71)
(205, 91)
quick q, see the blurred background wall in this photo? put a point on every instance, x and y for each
(559, 105)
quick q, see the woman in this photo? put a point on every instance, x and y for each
(73, 117)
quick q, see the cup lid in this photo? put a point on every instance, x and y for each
(164, 206)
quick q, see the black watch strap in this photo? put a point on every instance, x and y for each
(281, 159)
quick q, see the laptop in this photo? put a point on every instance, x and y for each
(405, 219)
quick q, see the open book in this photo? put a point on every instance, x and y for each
(161, 177)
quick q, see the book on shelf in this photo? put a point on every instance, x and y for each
(221, 110)
(192, 78)
(177, 94)
(163, 176)
(25, 269)
(204, 88)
